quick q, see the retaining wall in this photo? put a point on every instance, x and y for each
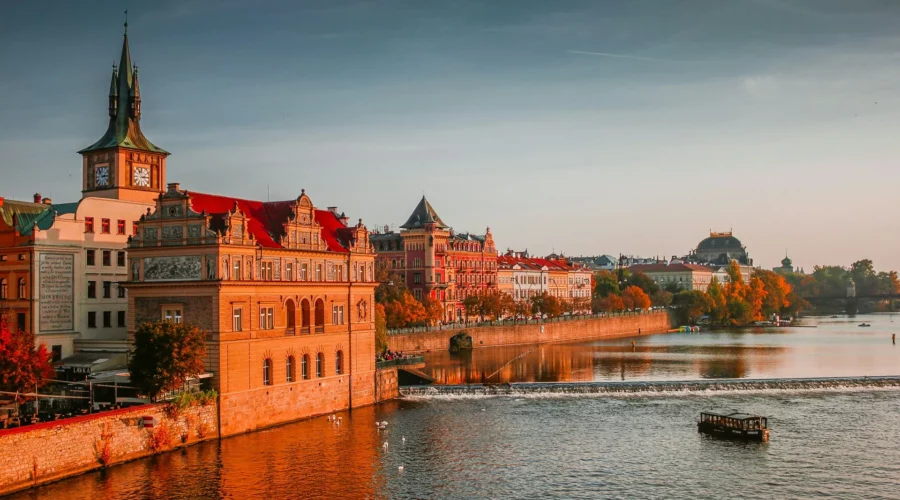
(563, 331)
(386, 384)
(45, 452)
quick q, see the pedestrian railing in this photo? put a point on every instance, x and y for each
(512, 322)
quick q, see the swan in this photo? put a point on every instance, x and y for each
(403, 439)
(384, 423)
(400, 468)
(385, 446)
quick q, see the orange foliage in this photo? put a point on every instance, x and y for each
(635, 298)
(404, 311)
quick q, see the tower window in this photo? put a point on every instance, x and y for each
(104, 226)
(89, 224)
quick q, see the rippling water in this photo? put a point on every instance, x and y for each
(834, 348)
(839, 443)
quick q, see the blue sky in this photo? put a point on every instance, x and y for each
(583, 127)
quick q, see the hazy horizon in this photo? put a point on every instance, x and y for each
(577, 126)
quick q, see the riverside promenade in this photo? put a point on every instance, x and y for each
(564, 329)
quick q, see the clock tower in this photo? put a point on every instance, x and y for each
(124, 164)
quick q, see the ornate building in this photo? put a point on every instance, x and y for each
(284, 290)
(720, 249)
(436, 261)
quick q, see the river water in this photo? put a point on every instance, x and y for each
(833, 443)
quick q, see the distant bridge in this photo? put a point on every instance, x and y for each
(870, 296)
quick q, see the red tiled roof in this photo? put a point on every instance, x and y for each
(267, 218)
(662, 268)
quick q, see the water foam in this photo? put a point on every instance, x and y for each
(533, 390)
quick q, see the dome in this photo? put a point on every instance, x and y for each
(786, 262)
(720, 242)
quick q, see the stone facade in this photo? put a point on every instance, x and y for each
(47, 452)
(284, 291)
(538, 333)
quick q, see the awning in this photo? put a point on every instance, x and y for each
(89, 362)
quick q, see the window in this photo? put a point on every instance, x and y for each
(134, 228)
(289, 369)
(120, 258)
(89, 224)
(330, 272)
(120, 316)
(337, 315)
(20, 322)
(92, 289)
(104, 226)
(237, 269)
(266, 318)
(121, 290)
(339, 362)
(320, 365)
(107, 289)
(267, 371)
(56, 353)
(289, 271)
(267, 271)
(417, 277)
(92, 319)
(173, 314)
(21, 288)
(4, 291)
(318, 272)
(91, 258)
(304, 269)
(107, 319)
(107, 258)
(304, 367)
(120, 226)
(237, 325)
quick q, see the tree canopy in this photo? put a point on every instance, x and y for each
(23, 366)
(165, 355)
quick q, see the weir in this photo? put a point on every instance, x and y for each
(649, 387)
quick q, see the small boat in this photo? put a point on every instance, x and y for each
(735, 425)
(864, 325)
(835, 316)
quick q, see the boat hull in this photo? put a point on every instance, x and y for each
(760, 435)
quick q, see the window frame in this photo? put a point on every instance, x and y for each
(105, 226)
(173, 313)
(121, 319)
(121, 258)
(90, 257)
(92, 289)
(106, 258)
(320, 365)
(120, 226)
(268, 378)
(290, 369)
(89, 225)
(237, 319)
(92, 319)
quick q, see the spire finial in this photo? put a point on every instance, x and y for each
(126, 22)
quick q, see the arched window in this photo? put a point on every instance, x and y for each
(304, 316)
(320, 365)
(339, 363)
(290, 317)
(304, 367)
(4, 291)
(290, 369)
(320, 316)
(21, 288)
(267, 372)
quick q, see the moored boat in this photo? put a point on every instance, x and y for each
(734, 425)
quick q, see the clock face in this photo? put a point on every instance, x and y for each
(101, 176)
(142, 176)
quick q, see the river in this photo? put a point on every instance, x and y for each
(838, 443)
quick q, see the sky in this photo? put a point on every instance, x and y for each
(582, 127)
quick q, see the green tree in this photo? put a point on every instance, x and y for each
(718, 310)
(662, 298)
(643, 282)
(391, 284)
(605, 283)
(165, 355)
(691, 305)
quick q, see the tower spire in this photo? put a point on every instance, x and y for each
(113, 93)
(126, 22)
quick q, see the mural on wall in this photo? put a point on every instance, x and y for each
(187, 267)
(56, 292)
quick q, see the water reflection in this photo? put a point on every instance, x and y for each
(833, 348)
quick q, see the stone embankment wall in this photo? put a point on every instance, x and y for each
(386, 384)
(564, 331)
(45, 452)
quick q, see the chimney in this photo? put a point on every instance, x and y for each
(47, 201)
(333, 210)
(37, 197)
(173, 186)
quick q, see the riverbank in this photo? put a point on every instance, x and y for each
(538, 333)
(41, 453)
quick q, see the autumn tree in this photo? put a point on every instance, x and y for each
(641, 281)
(165, 355)
(404, 311)
(23, 366)
(381, 341)
(546, 304)
(522, 308)
(507, 304)
(777, 289)
(610, 303)
(662, 298)
(434, 311)
(391, 284)
(634, 297)
(474, 306)
(718, 311)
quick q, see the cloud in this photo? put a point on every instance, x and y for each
(759, 86)
(619, 56)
